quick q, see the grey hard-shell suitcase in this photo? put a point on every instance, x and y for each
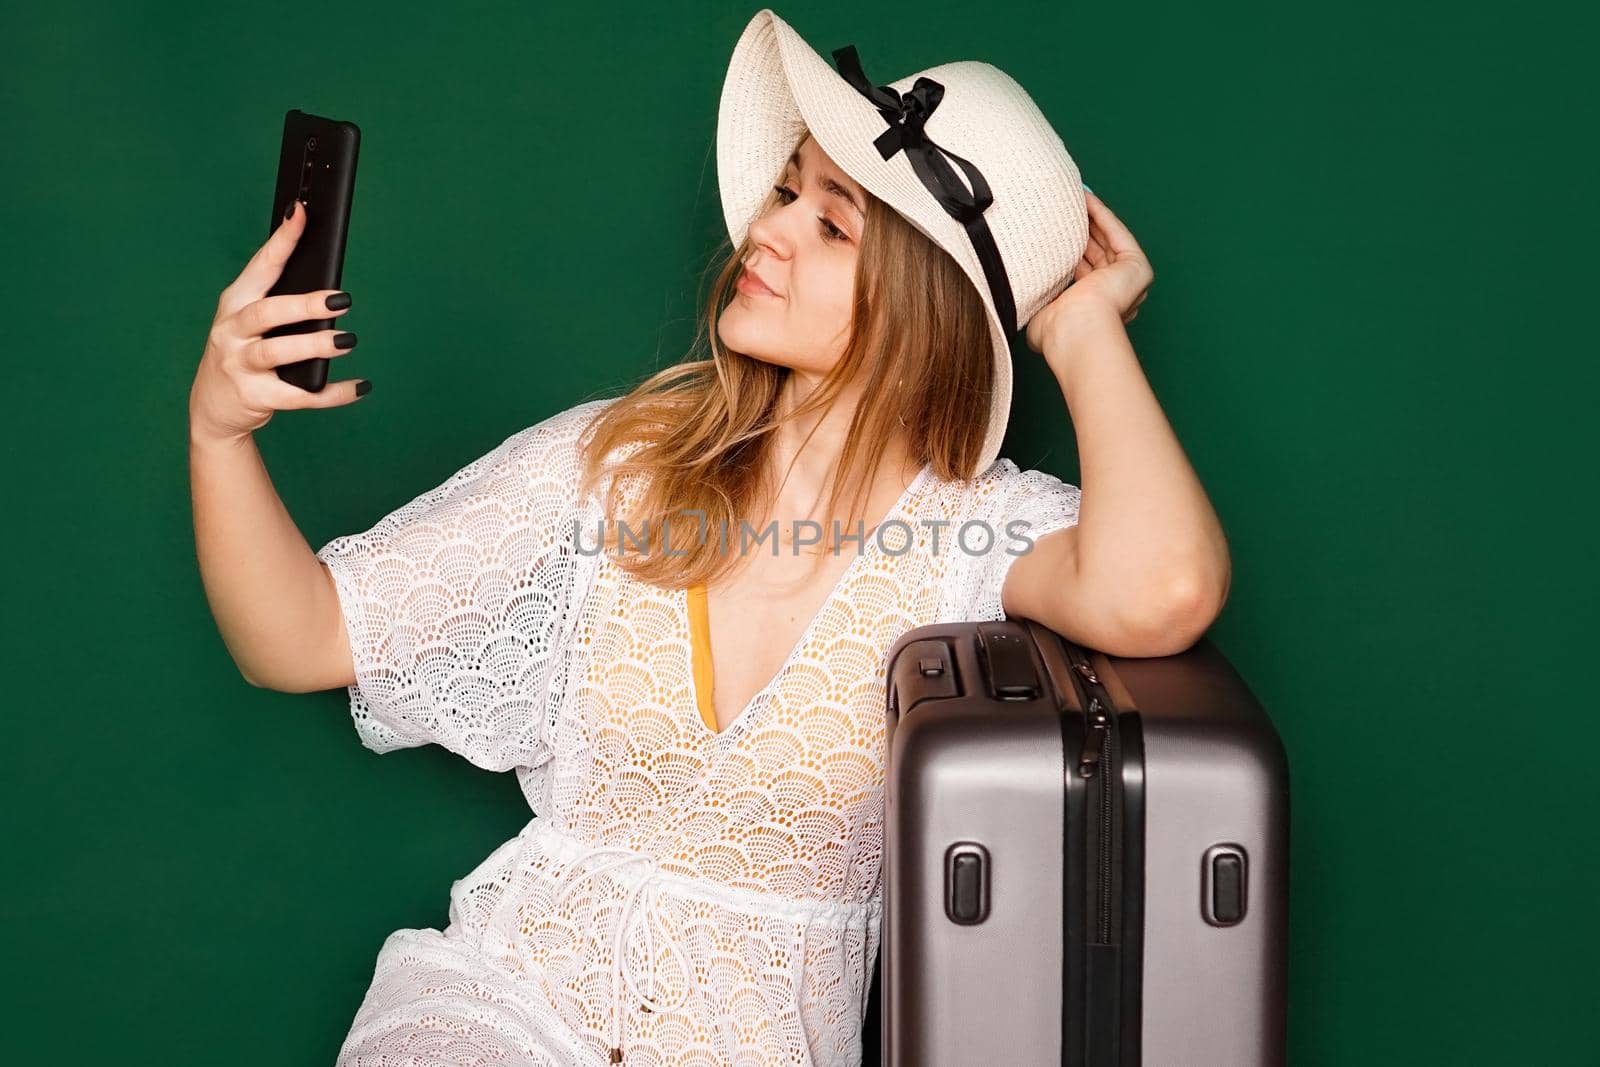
(1085, 857)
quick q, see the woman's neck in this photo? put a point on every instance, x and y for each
(801, 470)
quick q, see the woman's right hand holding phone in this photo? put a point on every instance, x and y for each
(237, 389)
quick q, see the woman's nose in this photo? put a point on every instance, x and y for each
(770, 230)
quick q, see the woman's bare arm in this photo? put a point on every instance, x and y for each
(1146, 570)
(273, 600)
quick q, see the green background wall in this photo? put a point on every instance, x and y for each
(1371, 229)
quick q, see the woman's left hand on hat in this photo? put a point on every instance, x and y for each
(1113, 275)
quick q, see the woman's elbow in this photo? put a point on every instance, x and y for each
(1179, 620)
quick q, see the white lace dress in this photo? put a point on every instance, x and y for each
(681, 895)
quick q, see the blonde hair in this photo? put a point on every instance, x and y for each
(705, 426)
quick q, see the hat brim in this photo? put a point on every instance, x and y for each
(777, 87)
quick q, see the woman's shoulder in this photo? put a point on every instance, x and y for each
(1004, 493)
(562, 429)
(983, 490)
(539, 463)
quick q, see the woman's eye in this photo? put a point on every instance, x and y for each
(830, 232)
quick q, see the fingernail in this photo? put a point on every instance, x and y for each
(288, 212)
(363, 387)
(1089, 190)
(338, 301)
(344, 340)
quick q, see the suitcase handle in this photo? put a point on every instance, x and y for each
(1007, 664)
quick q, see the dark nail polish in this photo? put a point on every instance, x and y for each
(344, 340)
(338, 301)
(288, 212)
(363, 387)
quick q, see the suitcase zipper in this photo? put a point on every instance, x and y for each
(1105, 833)
(1095, 760)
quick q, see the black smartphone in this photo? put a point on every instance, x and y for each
(317, 166)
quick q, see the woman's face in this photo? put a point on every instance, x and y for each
(804, 248)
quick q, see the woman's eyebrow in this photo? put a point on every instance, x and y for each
(832, 187)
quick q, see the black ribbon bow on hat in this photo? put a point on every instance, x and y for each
(906, 115)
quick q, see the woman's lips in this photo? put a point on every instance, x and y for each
(747, 284)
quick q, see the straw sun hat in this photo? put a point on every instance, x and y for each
(1017, 227)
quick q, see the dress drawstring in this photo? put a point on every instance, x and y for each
(654, 880)
(800, 987)
(619, 940)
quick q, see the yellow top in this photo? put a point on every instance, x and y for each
(700, 650)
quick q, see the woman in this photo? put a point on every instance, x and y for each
(698, 723)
